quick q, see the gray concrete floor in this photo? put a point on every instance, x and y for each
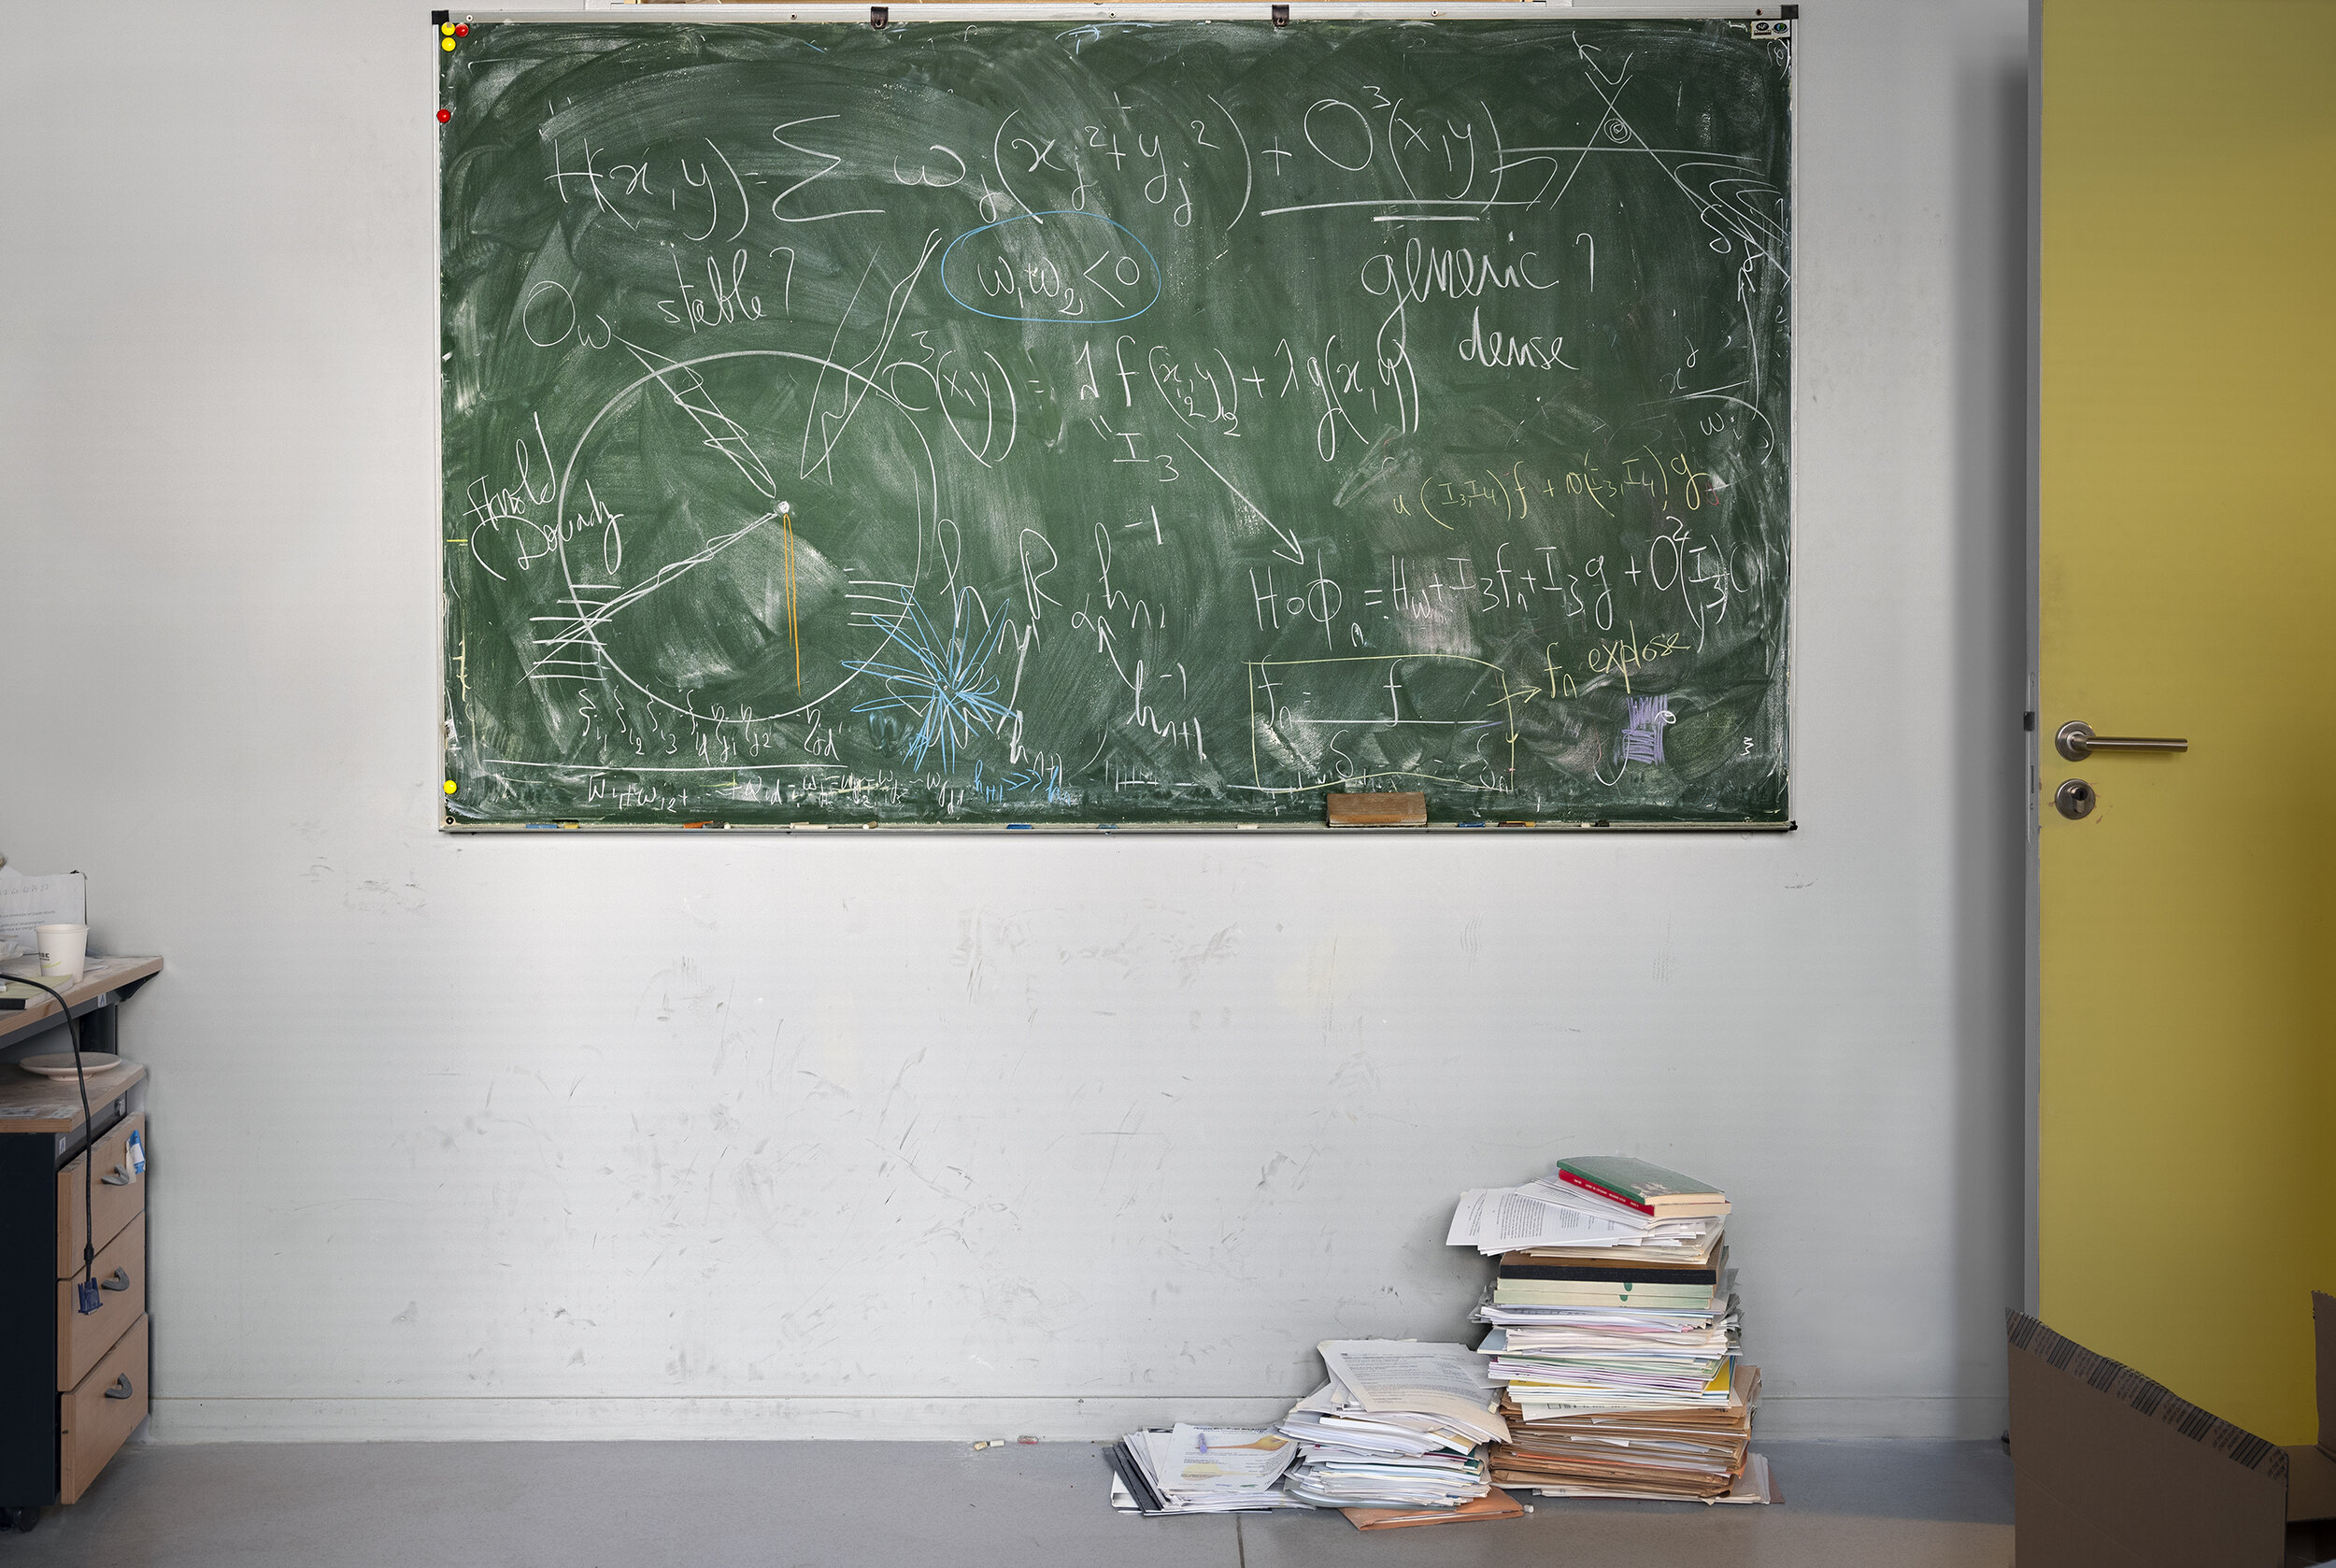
(917, 1505)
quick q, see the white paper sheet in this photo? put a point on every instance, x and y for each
(1504, 1219)
(26, 902)
(1435, 1379)
(1218, 1461)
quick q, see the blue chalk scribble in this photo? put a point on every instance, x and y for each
(943, 680)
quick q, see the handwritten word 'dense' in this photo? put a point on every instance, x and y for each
(1496, 351)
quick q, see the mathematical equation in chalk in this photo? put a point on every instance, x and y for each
(1008, 421)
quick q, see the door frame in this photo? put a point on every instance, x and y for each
(2032, 977)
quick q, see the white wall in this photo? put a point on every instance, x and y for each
(613, 1137)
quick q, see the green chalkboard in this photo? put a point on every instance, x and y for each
(1119, 423)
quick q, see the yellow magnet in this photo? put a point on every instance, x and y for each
(449, 786)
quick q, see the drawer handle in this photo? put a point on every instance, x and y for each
(122, 1388)
(118, 1176)
(120, 1281)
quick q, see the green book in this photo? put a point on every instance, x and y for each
(1640, 1185)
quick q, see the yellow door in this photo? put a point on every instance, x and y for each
(2185, 1114)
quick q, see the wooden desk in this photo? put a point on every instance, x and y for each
(88, 996)
(62, 1415)
(31, 1105)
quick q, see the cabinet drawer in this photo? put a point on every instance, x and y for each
(82, 1337)
(116, 1202)
(89, 1426)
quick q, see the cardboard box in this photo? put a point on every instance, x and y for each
(2109, 1466)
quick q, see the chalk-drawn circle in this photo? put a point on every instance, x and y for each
(527, 315)
(1370, 143)
(1003, 286)
(727, 539)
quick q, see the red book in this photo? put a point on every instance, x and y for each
(1606, 1193)
(1642, 1188)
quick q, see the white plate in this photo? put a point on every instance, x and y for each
(96, 1064)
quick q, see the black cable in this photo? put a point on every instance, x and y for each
(89, 1163)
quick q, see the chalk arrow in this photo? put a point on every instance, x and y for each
(1293, 554)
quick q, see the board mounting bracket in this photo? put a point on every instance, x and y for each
(1281, 16)
(879, 17)
(438, 19)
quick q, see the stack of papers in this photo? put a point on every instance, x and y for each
(1545, 1215)
(1614, 1337)
(1697, 1453)
(1578, 1373)
(1399, 1424)
(1201, 1470)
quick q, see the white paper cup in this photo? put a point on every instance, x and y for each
(64, 950)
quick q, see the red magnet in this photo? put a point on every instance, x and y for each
(445, 115)
(461, 29)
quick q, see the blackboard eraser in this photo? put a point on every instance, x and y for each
(1382, 808)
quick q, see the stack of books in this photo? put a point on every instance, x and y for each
(1397, 1425)
(1615, 1339)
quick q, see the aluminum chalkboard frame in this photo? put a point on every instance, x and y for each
(1584, 632)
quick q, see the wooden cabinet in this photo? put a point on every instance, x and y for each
(73, 1384)
(115, 1198)
(99, 1415)
(82, 1337)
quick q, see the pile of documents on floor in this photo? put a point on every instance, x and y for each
(1399, 1424)
(1395, 1436)
(1614, 1335)
(1201, 1470)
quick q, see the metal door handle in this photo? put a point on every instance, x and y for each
(118, 1176)
(120, 1281)
(2076, 741)
(122, 1388)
